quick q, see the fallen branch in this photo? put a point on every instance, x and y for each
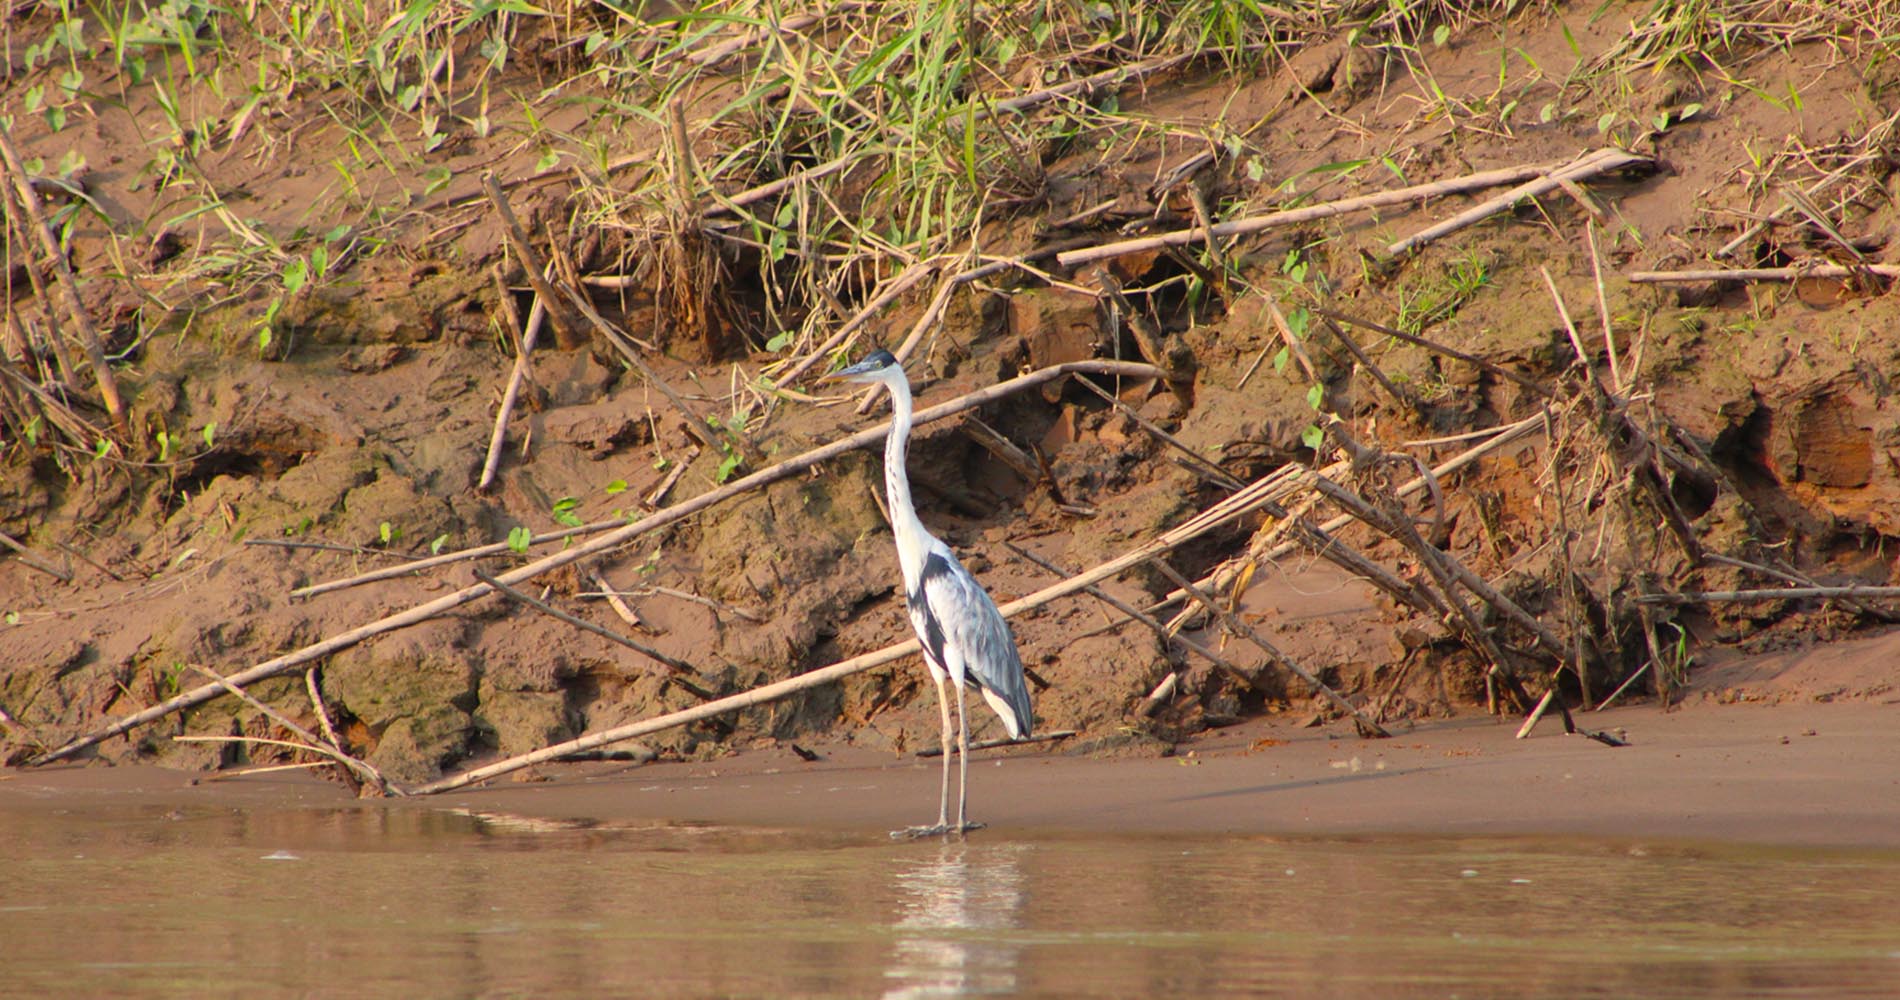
(1599, 161)
(1299, 216)
(1794, 273)
(1800, 580)
(610, 540)
(1768, 594)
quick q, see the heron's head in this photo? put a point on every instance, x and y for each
(878, 366)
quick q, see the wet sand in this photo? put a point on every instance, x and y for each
(1791, 773)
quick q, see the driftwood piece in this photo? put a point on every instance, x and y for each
(1310, 213)
(612, 539)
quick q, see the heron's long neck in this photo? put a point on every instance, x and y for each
(904, 523)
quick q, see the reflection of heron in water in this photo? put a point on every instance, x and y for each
(948, 903)
(964, 637)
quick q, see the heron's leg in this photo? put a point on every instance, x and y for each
(963, 760)
(943, 797)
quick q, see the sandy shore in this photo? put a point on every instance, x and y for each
(1814, 774)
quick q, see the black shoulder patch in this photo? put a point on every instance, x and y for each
(932, 634)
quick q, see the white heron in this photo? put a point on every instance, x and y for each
(964, 637)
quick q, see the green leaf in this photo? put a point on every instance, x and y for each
(164, 446)
(1315, 396)
(33, 431)
(435, 179)
(435, 547)
(1298, 321)
(1689, 111)
(1280, 358)
(727, 466)
(210, 433)
(564, 512)
(101, 448)
(1604, 121)
(548, 161)
(1441, 35)
(1312, 436)
(13, 618)
(518, 539)
(296, 274)
(616, 486)
(385, 532)
(779, 342)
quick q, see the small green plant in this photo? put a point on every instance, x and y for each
(616, 487)
(165, 443)
(388, 534)
(435, 547)
(564, 512)
(519, 538)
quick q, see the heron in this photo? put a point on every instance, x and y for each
(965, 640)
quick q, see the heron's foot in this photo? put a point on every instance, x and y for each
(939, 830)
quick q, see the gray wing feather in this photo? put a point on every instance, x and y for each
(960, 627)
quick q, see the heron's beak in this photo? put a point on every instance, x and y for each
(855, 371)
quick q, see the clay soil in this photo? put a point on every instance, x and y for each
(352, 436)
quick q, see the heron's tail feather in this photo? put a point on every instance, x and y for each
(1008, 697)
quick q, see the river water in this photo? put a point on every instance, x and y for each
(372, 901)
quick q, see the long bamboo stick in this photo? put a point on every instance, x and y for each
(1795, 273)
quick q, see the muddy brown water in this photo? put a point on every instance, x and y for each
(162, 900)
